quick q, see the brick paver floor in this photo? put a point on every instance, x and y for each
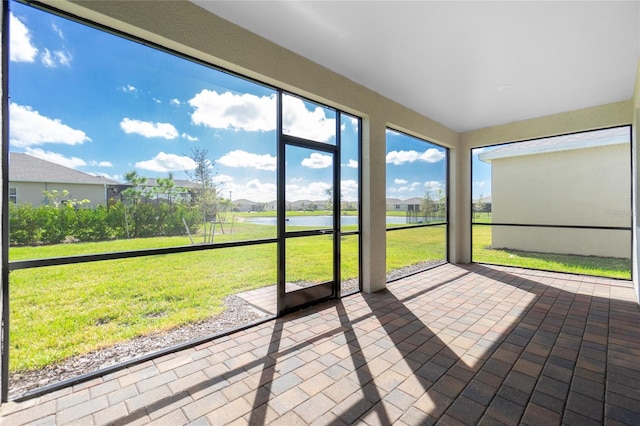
(459, 344)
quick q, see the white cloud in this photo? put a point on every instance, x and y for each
(189, 137)
(29, 128)
(312, 191)
(317, 161)
(431, 155)
(239, 158)
(297, 120)
(54, 157)
(47, 59)
(352, 163)
(230, 111)
(156, 100)
(352, 120)
(253, 190)
(222, 179)
(101, 163)
(174, 101)
(21, 49)
(53, 59)
(349, 189)
(256, 190)
(58, 31)
(149, 129)
(167, 163)
(128, 88)
(64, 58)
(415, 189)
(252, 113)
(433, 186)
(409, 188)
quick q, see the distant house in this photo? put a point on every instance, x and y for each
(482, 204)
(306, 205)
(244, 205)
(181, 191)
(180, 183)
(29, 177)
(398, 205)
(350, 205)
(574, 180)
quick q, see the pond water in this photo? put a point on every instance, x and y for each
(318, 221)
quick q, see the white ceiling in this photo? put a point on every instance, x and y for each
(467, 65)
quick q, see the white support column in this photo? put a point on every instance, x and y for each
(373, 226)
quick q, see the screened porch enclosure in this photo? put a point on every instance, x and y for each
(195, 180)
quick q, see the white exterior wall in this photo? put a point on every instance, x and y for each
(584, 187)
(32, 192)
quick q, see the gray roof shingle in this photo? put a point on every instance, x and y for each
(26, 168)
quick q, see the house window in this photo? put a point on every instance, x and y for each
(13, 195)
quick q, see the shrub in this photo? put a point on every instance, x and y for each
(24, 226)
(92, 225)
(55, 224)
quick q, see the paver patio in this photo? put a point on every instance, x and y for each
(459, 344)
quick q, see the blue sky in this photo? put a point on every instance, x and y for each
(414, 167)
(481, 175)
(105, 105)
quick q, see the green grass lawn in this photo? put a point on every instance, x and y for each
(409, 246)
(237, 231)
(61, 311)
(481, 217)
(588, 265)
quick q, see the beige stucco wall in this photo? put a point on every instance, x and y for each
(586, 187)
(603, 116)
(593, 242)
(583, 187)
(32, 192)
